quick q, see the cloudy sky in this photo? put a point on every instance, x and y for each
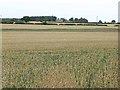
(106, 10)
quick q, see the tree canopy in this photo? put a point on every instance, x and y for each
(81, 20)
(39, 18)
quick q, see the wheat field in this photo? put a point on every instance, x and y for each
(61, 27)
(59, 59)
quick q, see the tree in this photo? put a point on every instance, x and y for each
(63, 19)
(83, 20)
(105, 22)
(71, 19)
(43, 18)
(113, 21)
(100, 22)
(76, 19)
(26, 18)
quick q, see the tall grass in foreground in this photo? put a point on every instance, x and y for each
(91, 68)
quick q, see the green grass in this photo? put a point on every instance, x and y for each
(92, 68)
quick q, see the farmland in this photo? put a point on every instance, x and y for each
(71, 28)
(59, 59)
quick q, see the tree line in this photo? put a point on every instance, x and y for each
(53, 18)
(81, 20)
(39, 18)
(44, 19)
